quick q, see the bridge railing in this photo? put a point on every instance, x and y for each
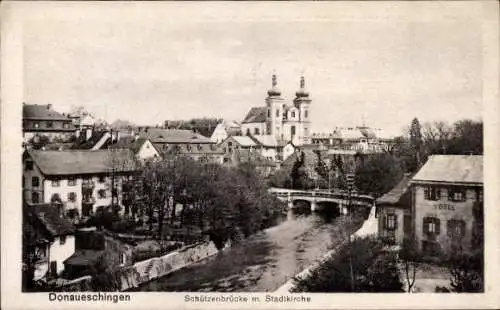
(344, 195)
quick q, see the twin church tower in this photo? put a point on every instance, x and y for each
(282, 121)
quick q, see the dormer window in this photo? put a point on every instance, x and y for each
(50, 124)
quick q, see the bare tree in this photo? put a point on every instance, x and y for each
(408, 255)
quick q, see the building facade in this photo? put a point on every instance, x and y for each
(43, 121)
(447, 196)
(49, 237)
(81, 181)
(288, 122)
(184, 143)
(394, 213)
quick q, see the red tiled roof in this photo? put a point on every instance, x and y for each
(452, 169)
(42, 112)
(256, 115)
(395, 195)
(48, 216)
(162, 135)
(76, 162)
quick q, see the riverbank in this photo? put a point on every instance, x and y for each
(369, 227)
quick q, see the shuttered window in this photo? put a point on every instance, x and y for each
(431, 226)
(390, 222)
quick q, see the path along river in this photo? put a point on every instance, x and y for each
(264, 261)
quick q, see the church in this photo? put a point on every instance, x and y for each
(280, 121)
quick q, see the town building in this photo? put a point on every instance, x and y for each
(48, 239)
(43, 121)
(282, 121)
(447, 196)
(362, 139)
(141, 147)
(97, 251)
(182, 142)
(81, 181)
(233, 143)
(225, 129)
(264, 166)
(394, 213)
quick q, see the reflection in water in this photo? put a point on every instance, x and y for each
(264, 261)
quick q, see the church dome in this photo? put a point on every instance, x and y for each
(302, 92)
(274, 91)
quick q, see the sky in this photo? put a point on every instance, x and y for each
(379, 64)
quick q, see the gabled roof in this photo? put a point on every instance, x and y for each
(451, 169)
(129, 143)
(395, 196)
(42, 112)
(268, 140)
(77, 162)
(48, 216)
(256, 115)
(162, 135)
(244, 140)
(91, 142)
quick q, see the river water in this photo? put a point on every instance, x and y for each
(264, 261)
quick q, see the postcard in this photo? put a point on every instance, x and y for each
(249, 155)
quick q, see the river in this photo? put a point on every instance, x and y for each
(264, 261)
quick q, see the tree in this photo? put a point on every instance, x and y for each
(416, 144)
(409, 254)
(378, 174)
(372, 269)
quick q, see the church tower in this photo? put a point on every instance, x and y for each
(274, 113)
(302, 102)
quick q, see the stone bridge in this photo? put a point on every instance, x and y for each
(319, 199)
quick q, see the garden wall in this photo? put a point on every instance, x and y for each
(147, 270)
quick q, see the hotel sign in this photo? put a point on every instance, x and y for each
(444, 206)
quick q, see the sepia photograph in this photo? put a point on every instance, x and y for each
(257, 147)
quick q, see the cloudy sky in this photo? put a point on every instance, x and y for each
(377, 63)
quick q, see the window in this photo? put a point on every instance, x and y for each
(268, 113)
(188, 147)
(71, 182)
(55, 198)
(72, 197)
(55, 183)
(455, 229)
(123, 259)
(102, 179)
(35, 197)
(66, 125)
(248, 131)
(293, 114)
(29, 166)
(390, 222)
(199, 147)
(256, 131)
(432, 193)
(101, 193)
(62, 240)
(50, 124)
(35, 181)
(36, 124)
(293, 130)
(306, 113)
(456, 194)
(431, 226)
(278, 113)
(230, 143)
